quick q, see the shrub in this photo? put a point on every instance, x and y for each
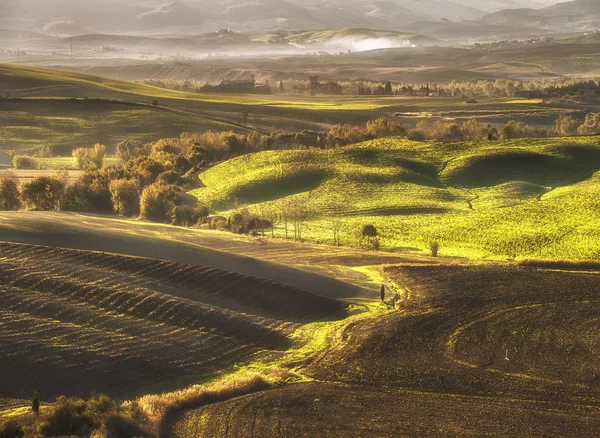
(44, 193)
(144, 169)
(25, 162)
(182, 216)
(125, 197)
(129, 150)
(89, 193)
(11, 429)
(117, 426)
(591, 125)
(9, 193)
(157, 201)
(66, 417)
(566, 125)
(383, 127)
(90, 158)
(434, 247)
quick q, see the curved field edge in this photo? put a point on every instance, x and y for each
(437, 365)
(310, 341)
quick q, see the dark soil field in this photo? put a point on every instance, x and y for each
(474, 350)
(75, 322)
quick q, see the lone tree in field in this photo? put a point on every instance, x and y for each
(155, 103)
(382, 293)
(35, 404)
(434, 246)
(370, 235)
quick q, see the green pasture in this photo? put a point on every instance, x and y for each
(522, 198)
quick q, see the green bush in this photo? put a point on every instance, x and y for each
(44, 193)
(157, 201)
(125, 197)
(9, 193)
(25, 162)
(89, 193)
(11, 429)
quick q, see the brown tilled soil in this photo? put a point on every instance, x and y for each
(475, 350)
(73, 322)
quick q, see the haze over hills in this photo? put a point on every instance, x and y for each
(155, 17)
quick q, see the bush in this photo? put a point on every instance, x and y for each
(183, 216)
(11, 429)
(434, 247)
(25, 162)
(591, 125)
(566, 125)
(117, 426)
(67, 417)
(44, 193)
(90, 158)
(89, 193)
(125, 197)
(157, 201)
(130, 150)
(9, 194)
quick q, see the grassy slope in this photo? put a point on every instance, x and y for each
(479, 200)
(30, 124)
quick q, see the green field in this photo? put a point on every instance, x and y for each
(489, 200)
(27, 125)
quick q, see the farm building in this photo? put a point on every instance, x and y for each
(317, 87)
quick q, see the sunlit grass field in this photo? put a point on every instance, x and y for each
(29, 125)
(522, 198)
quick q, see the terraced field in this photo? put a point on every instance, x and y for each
(74, 322)
(473, 350)
(479, 200)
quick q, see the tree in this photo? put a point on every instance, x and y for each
(44, 193)
(388, 89)
(434, 247)
(591, 125)
(382, 292)
(157, 201)
(25, 162)
(566, 125)
(9, 193)
(97, 155)
(281, 87)
(370, 235)
(335, 213)
(35, 403)
(128, 150)
(155, 103)
(90, 158)
(81, 155)
(125, 197)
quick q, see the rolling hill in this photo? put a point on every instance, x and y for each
(472, 350)
(466, 196)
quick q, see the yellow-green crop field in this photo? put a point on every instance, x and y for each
(522, 198)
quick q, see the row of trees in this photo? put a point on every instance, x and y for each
(472, 130)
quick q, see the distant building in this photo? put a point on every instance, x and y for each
(317, 87)
(244, 86)
(528, 94)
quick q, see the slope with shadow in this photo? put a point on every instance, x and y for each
(73, 322)
(476, 350)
